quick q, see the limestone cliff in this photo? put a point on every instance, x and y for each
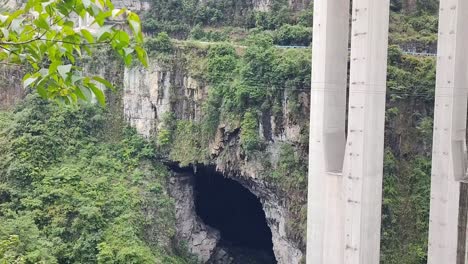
(150, 94)
(11, 89)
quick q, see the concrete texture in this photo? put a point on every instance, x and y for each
(447, 229)
(345, 179)
(363, 169)
(327, 132)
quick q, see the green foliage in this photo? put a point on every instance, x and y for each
(159, 44)
(411, 76)
(405, 220)
(290, 172)
(188, 147)
(68, 195)
(428, 6)
(396, 5)
(165, 135)
(45, 38)
(197, 33)
(258, 81)
(290, 167)
(296, 35)
(395, 55)
(306, 17)
(406, 187)
(179, 17)
(249, 137)
(418, 31)
(122, 245)
(222, 63)
(422, 6)
(269, 21)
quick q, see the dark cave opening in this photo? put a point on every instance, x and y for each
(237, 213)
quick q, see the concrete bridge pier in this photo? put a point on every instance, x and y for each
(325, 226)
(449, 192)
(363, 168)
(345, 174)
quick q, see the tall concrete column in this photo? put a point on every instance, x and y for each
(325, 216)
(447, 226)
(363, 170)
(345, 177)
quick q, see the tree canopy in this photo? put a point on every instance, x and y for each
(47, 39)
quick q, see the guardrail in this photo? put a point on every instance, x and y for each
(406, 52)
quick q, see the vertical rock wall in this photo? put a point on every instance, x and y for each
(11, 88)
(150, 93)
(201, 239)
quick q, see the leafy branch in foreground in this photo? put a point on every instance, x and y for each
(48, 39)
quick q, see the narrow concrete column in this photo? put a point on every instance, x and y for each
(363, 170)
(327, 132)
(447, 226)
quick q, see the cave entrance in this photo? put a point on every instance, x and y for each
(227, 206)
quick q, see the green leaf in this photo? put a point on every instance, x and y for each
(87, 35)
(98, 93)
(103, 33)
(128, 60)
(135, 25)
(127, 56)
(118, 12)
(53, 66)
(142, 56)
(109, 4)
(41, 22)
(63, 70)
(62, 43)
(28, 80)
(103, 82)
(42, 92)
(121, 39)
(80, 94)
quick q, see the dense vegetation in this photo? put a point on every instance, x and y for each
(247, 86)
(413, 24)
(405, 218)
(216, 20)
(68, 189)
(73, 192)
(242, 89)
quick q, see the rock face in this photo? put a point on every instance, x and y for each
(150, 94)
(409, 6)
(202, 239)
(265, 5)
(11, 88)
(299, 4)
(261, 5)
(134, 5)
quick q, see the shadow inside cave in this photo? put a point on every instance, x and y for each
(227, 206)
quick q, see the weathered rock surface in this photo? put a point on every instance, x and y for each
(299, 4)
(149, 94)
(11, 88)
(202, 239)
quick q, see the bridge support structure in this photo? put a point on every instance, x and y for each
(449, 190)
(345, 169)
